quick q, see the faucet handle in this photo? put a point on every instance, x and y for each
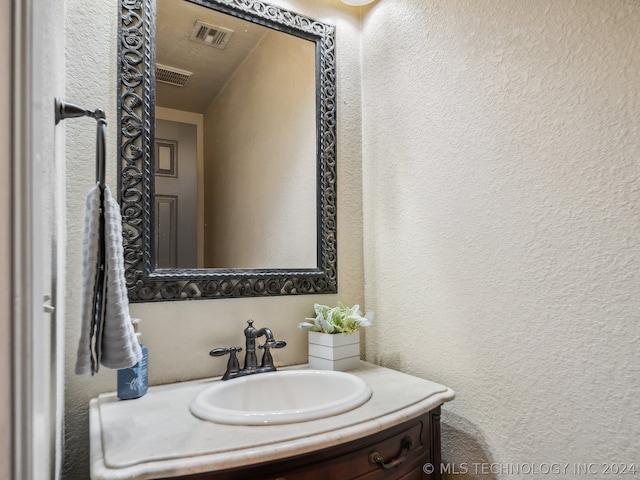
(232, 365)
(219, 352)
(273, 344)
(267, 359)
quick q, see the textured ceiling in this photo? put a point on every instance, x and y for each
(211, 66)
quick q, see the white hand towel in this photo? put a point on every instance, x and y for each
(86, 361)
(107, 336)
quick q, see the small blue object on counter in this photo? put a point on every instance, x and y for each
(134, 382)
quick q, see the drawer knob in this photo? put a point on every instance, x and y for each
(405, 447)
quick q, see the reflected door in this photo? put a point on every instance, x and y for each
(176, 207)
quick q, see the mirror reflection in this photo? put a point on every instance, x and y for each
(235, 143)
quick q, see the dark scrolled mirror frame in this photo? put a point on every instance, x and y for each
(136, 113)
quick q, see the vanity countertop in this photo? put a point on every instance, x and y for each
(156, 435)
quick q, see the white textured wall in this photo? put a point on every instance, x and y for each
(180, 334)
(501, 147)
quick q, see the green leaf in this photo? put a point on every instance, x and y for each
(339, 319)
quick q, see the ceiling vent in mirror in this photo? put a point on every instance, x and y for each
(210, 35)
(172, 75)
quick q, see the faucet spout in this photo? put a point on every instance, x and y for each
(266, 332)
(250, 334)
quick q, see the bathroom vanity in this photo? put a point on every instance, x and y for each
(394, 435)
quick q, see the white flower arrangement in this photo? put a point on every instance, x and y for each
(338, 319)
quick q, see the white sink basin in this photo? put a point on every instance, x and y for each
(288, 396)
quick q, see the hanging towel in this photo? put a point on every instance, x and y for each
(107, 336)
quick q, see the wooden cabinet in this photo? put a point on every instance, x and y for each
(411, 451)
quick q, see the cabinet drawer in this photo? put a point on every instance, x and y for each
(357, 465)
(352, 460)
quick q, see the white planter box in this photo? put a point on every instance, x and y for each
(334, 352)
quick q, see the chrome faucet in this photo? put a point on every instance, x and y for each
(250, 358)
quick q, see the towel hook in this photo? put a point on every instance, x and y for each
(65, 110)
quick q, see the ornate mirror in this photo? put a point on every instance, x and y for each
(227, 171)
